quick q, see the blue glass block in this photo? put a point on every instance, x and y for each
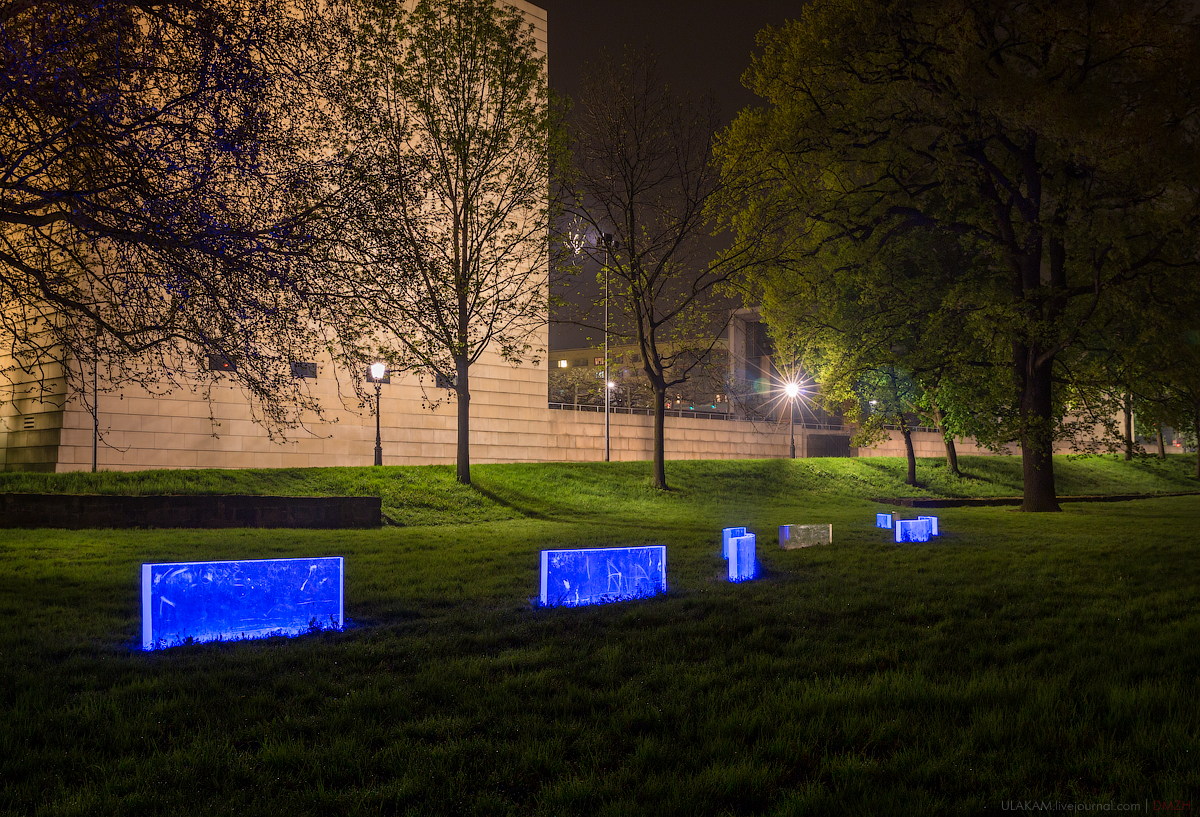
(742, 558)
(883, 520)
(599, 575)
(186, 602)
(933, 524)
(726, 535)
(913, 530)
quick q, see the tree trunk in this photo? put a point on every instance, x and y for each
(948, 440)
(1162, 445)
(464, 420)
(1196, 431)
(908, 449)
(1037, 434)
(1128, 426)
(660, 413)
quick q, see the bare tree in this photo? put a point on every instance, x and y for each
(157, 174)
(448, 144)
(641, 178)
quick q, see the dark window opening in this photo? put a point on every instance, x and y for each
(304, 369)
(220, 363)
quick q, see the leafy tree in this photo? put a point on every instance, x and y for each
(641, 177)
(157, 192)
(1055, 141)
(448, 145)
(889, 326)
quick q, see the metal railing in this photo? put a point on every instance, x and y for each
(696, 415)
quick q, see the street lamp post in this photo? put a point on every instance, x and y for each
(608, 241)
(793, 390)
(378, 370)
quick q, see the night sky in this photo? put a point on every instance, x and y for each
(703, 47)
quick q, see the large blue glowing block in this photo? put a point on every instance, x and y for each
(913, 530)
(726, 535)
(217, 601)
(601, 575)
(883, 520)
(742, 558)
(933, 526)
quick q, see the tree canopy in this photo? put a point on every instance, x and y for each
(158, 167)
(1055, 143)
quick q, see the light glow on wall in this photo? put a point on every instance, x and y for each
(742, 558)
(578, 577)
(913, 530)
(193, 602)
(883, 520)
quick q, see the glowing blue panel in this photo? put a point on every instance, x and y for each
(600, 575)
(913, 530)
(726, 535)
(883, 520)
(742, 558)
(188, 602)
(933, 526)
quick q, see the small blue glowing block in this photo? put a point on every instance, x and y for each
(188, 602)
(574, 578)
(933, 526)
(883, 520)
(913, 530)
(742, 558)
(726, 535)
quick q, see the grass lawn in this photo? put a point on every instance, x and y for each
(1020, 657)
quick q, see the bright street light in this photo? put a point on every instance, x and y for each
(792, 389)
(378, 370)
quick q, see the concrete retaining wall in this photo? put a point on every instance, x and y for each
(75, 511)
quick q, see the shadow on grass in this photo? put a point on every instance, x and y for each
(524, 508)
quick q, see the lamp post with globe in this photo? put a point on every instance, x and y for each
(378, 371)
(792, 389)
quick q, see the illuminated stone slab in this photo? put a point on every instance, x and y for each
(742, 558)
(600, 575)
(726, 535)
(883, 520)
(187, 602)
(933, 524)
(792, 537)
(913, 530)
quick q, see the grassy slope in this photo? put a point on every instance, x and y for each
(429, 494)
(1049, 657)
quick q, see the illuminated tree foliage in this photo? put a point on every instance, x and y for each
(1056, 141)
(156, 178)
(448, 145)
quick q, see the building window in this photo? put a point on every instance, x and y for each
(304, 370)
(562, 364)
(220, 363)
(441, 381)
(635, 358)
(597, 361)
(579, 362)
